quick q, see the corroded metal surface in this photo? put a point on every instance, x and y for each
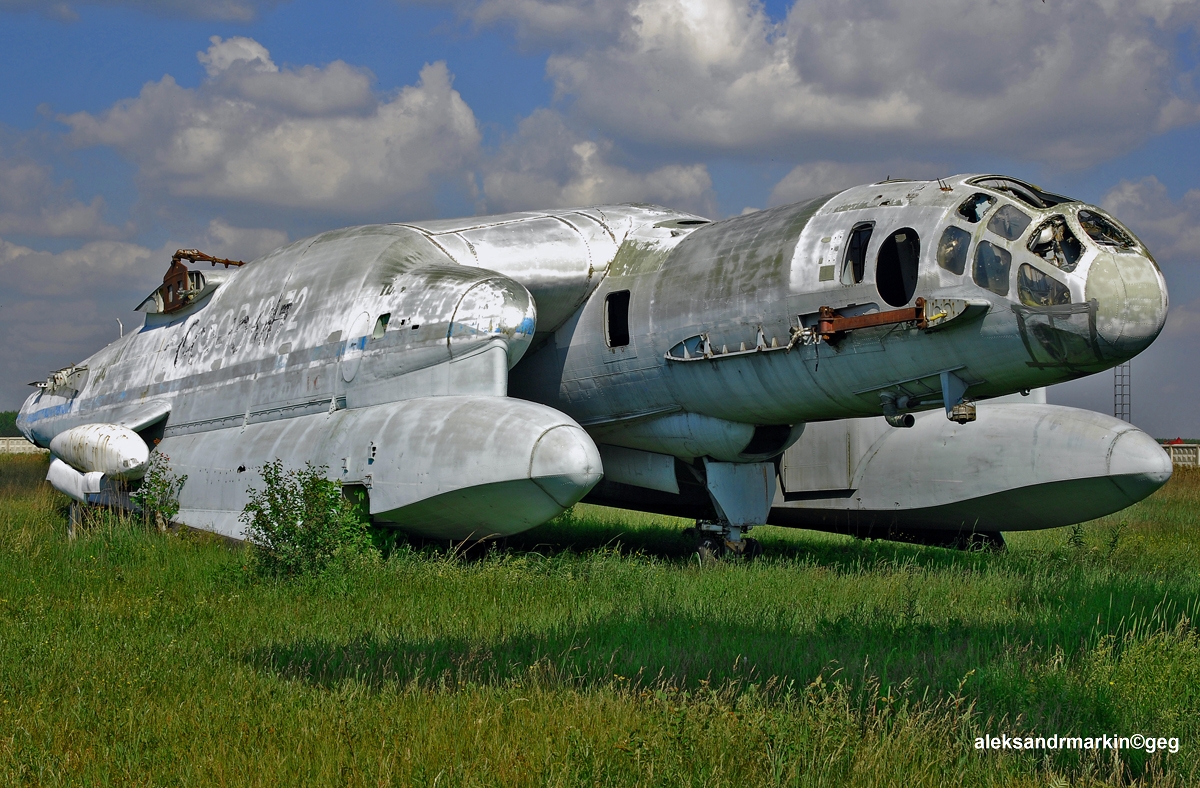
(115, 451)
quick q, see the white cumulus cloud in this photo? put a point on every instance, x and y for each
(547, 165)
(1169, 228)
(309, 138)
(1062, 83)
(31, 203)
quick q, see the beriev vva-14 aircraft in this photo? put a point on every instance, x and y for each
(838, 364)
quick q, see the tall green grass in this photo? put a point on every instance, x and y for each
(595, 650)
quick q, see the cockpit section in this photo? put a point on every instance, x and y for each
(1051, 242)
(1056, 256)
(1082, 289)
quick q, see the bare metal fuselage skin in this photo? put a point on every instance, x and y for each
(479, 376)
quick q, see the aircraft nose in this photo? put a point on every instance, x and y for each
(566, 464)
(1131, 301)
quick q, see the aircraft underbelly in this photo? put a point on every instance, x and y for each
(1048, 505)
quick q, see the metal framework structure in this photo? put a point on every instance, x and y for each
(1122, 392)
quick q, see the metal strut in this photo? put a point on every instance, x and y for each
(196, 256)
(833, 327)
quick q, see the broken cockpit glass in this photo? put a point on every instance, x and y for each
(1104, 232)
(1035, 288)
(1009, 222)
(975, 206)
(1025, 192)
(992, 264)
(1054, 242)
(953, 248)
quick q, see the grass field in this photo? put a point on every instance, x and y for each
(596, 650)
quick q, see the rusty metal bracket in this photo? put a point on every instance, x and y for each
(181, 286)
(196, 256)
(833, 327)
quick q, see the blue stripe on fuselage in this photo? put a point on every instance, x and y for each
(48, 413)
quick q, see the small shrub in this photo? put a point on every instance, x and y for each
(158, 495)
(300, 523)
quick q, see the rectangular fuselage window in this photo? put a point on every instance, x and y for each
(854, 267)
(616, 318)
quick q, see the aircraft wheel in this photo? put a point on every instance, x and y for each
(710, 549)
(752, 548)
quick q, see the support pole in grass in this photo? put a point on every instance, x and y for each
(74, 515)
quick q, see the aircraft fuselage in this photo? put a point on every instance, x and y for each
(635, 327)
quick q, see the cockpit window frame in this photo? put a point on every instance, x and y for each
(1062, 248)
(1001, 260)
(975, 216)
(955, 263)
(1009, 222)
(1038, 288)
(1125, 241)
(1021, 191)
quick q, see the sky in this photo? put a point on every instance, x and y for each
(131, 128)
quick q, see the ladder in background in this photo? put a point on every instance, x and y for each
(1122, 393)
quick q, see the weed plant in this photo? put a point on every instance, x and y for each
(299, 523)
(157, 497)
(595, 650)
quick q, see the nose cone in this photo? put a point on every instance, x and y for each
(566, 464)
(1131, 299)
(1138, 465)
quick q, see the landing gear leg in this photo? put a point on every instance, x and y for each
(718, 539)
(741, 494)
